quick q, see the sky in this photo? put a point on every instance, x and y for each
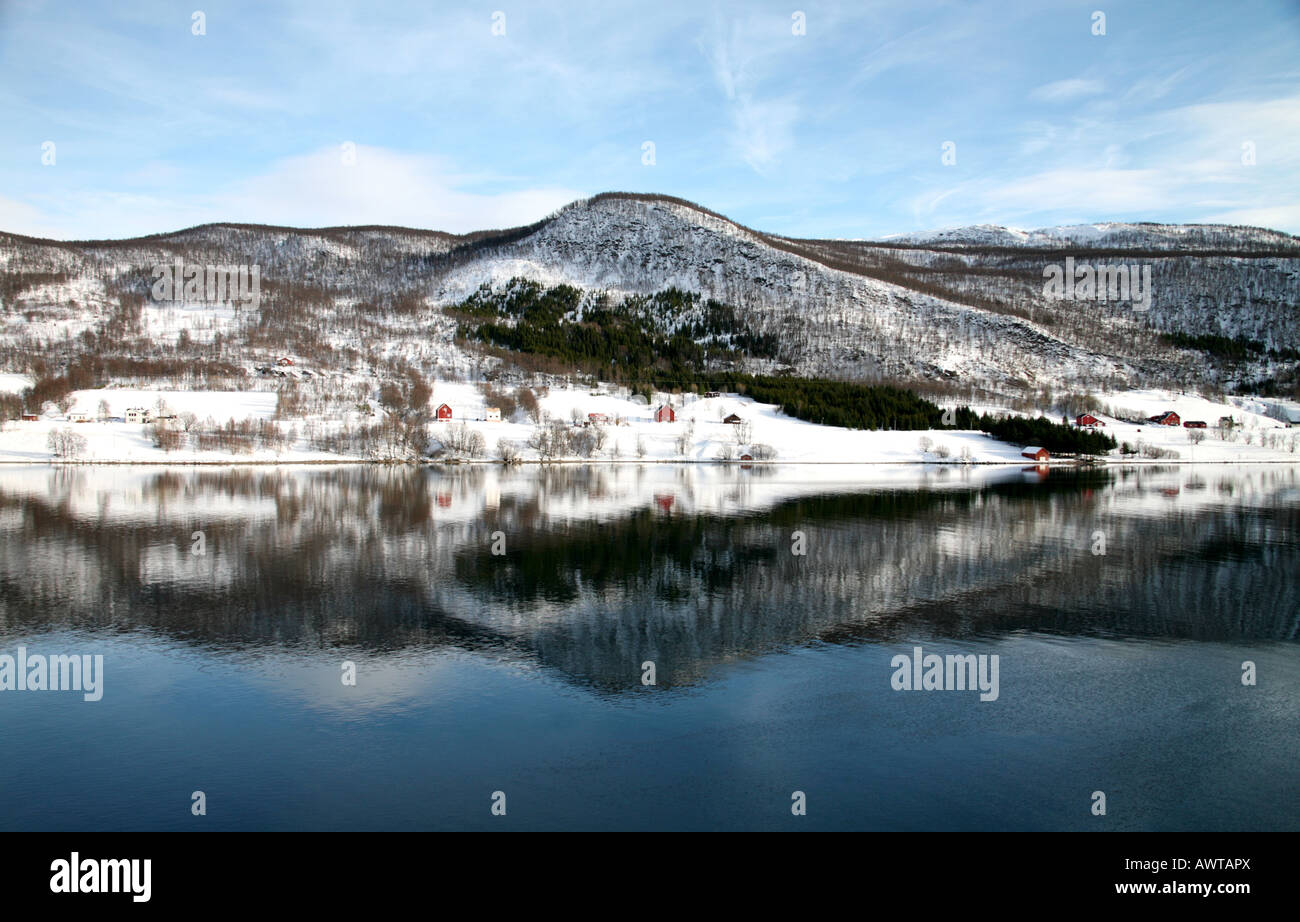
(802, 118)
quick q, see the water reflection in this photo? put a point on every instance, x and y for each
(607, 567)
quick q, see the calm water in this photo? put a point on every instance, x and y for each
(522, 671)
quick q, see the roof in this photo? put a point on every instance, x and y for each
(1031, 450)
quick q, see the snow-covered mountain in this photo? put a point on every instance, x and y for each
(964, 310)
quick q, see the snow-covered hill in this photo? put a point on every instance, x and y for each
(961, 313)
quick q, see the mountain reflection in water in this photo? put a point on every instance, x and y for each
(772, 667)
(600, 572)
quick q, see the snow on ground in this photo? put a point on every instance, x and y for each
(632, 434)
(164, 322)
(12, 384)
(1255, 436)
(220, 405)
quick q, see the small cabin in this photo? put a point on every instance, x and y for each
(1034, 453)
(712, 394)
(137, 415)
(1194, 424)
(443, 413)
(601, 418)
(31, 417)
(493, 415)
(79, 417)
(1087, 420)
(746, 457)
(1167, 418)
(284, 362)
(665, 414)
(733, 420)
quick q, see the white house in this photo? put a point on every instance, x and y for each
(137, 415)
(493, 414)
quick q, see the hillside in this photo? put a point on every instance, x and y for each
(958, 314)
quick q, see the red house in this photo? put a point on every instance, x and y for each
(1036, 454)
(665, 414)
(1167, 418)
(1087, 419)
(443, 413)
(733, 420)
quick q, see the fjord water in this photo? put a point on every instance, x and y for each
(1120, 662)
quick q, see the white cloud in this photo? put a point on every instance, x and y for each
(762, 127)
(1277, 217)
(1063, 90)
(383, 187)
(312, 190)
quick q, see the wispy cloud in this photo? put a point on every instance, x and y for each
(1065, 90)
(761, 123)
(837, 131)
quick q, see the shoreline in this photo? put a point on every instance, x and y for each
(1026, 463)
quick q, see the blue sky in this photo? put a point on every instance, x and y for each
(838, 132)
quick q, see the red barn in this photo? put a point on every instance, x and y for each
(665, 414)
(1035, 453)
(1167, 418)
(733, 420)
(443, 413)
(1087, 419)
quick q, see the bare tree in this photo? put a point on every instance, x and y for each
(65, 444)
(507, 451)
(460, 441)
(528, 401)
(165, 437)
